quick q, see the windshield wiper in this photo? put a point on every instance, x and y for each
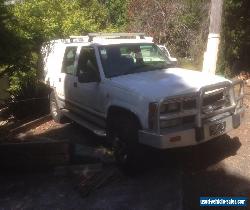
(132, 70)
(147, 68)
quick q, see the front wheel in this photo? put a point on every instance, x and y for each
(126, 148)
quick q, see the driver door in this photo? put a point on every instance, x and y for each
(87, 94)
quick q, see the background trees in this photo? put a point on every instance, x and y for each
(183, 26)
(180, 24)
(25, 25)
(10, 42)
(235, 46)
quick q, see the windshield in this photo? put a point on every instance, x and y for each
(131, 58)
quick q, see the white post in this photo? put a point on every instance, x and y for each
(211, 54)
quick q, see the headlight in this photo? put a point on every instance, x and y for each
(152, 114)
(170, 107)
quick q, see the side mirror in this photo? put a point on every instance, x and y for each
(173, 61)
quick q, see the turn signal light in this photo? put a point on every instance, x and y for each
(152, 115)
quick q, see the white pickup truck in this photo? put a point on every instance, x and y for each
(125, 87)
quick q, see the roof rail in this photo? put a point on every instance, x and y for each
(115, 35)
(78, 38)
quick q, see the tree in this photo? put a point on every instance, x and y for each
(180, 24)
(10, 43)
(33, 22)
(41, 20)
(117, 10)
(235, 43)
(211, 54)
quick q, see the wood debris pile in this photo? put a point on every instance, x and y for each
(90, 180)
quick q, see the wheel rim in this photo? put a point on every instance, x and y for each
(120, 150)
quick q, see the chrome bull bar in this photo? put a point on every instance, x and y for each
(229, 87)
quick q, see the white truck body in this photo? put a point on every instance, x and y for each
(214, 107)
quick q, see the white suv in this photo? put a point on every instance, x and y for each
(123, 86)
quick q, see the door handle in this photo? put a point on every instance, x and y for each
(59, 79)
(75, 84)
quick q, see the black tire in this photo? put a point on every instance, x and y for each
(123, 133)
(54, 109)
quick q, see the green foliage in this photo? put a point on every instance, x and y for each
(235, 42)
(42, 20)
(10, 42)
(20, 81)
(25, 25)
(117, 10)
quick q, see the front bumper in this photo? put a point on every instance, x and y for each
(191, 136)
(208, 123)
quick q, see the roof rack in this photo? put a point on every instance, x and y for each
(78, 38)
(115, 35)
(90, 37)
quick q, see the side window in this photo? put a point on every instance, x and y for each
(87, 69)
(69, 60)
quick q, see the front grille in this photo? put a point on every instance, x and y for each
(189, 104)
(189, 119)
(195, 109)
(186, 105)
(211, 99)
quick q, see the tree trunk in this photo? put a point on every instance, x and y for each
(211, 54)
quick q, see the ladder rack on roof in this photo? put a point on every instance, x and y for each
(116, 35)
(79, 38)
(90, 37)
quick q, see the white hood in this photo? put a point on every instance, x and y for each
(163, 83)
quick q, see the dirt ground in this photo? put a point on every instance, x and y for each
(174, 179)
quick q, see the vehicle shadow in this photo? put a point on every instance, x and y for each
(198, 157)
(216, 182)
(199, 168)
(189, 159)
(203, 171)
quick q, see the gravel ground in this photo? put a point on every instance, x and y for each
(174, 179)
(220, 168)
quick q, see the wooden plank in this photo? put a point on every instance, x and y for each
(30, 124)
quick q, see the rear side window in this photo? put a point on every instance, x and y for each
(68, 66)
